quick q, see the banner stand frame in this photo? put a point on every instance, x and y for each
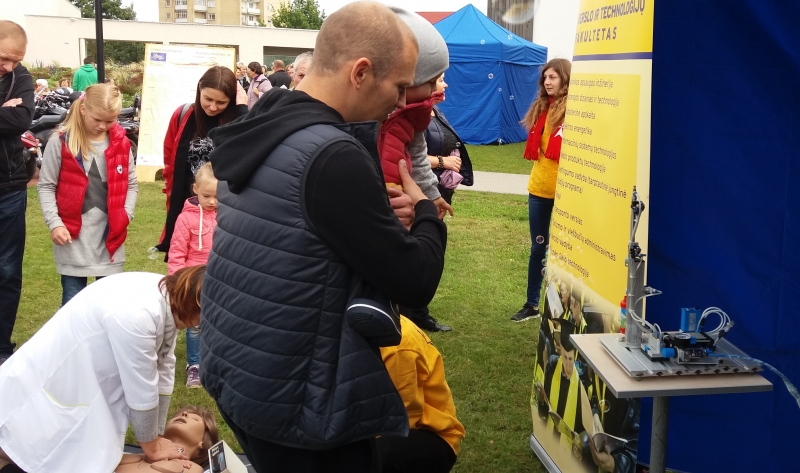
(542, 455)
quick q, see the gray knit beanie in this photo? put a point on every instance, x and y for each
(433, 57)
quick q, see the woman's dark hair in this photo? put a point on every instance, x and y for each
(222, 79)
(183, 288)
(255, 67)
(210, 431)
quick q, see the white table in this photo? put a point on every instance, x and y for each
(660, 389)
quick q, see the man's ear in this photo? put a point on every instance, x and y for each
(360, 72)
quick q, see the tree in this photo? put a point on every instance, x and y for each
(300, 14)
(112, 9)
(118, 51)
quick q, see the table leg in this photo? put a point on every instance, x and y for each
(658, 440)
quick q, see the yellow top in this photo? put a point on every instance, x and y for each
(417, 370)
(542, 182)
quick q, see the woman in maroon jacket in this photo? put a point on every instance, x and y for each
(187, 146)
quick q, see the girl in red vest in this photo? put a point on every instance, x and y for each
(88, 189)
(220, 99)
(544, 121)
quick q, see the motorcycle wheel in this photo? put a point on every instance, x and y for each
(134, 149)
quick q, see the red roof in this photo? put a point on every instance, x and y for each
(434, 16)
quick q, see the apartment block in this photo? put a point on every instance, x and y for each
(218, 12)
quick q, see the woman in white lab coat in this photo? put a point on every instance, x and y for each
(104, 360)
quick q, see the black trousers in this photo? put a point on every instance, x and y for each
(422, 451)
(268, 457)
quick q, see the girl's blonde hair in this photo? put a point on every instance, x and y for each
(555, 114)
(205, 174)
(99, 97)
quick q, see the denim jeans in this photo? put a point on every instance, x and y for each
(12, 247)
(539, 212)
(72, 285)
(193, 346)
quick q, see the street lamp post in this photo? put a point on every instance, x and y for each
(98, 24)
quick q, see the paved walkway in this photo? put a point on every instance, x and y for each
(499, 182)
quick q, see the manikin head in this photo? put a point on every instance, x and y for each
(195, 430)
(364, 59)
(13, 43)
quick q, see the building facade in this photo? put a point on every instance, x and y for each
(218, 12)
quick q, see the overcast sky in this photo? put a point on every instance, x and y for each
(147, 10)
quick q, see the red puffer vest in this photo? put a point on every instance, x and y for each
(72, 184)
(396, 134)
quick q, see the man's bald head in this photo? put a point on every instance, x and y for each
(13, 43)
(360, 29)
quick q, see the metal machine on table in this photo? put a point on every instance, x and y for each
(645, 350)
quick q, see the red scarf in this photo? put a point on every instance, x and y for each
(553, 150)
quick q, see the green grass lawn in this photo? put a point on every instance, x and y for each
(500, 158)
(488, 359)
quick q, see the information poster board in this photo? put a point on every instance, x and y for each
(578, 425)
(170, 80)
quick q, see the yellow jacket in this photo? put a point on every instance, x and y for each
(417, 370)
(542, 181)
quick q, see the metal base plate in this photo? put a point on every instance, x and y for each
(638, 365)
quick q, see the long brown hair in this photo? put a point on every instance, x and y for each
(99, 97)
(210, 431)
(224, 80)
(555, 114)
(184, 288)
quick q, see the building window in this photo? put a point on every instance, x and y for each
(199, 3)
(269, 7)
(180, 3)
(169, 16)
(212, 3)
(244, 19)
(180, 14)
(167, 3)
(212, 17)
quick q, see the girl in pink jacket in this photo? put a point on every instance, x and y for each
(190, 246)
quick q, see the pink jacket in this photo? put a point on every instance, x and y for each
(194, 233)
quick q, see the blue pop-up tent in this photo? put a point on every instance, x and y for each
(492, 77)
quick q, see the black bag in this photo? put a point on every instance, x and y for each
(372, 314)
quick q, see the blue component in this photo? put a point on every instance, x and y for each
(693, 341)
(689, 319)
(668, 352)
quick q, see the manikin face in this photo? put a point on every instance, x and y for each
(380, 97)
(552, 82)
(213, 101)
(206, 194)
(97, 122)
(186, 430)
(440, 86)
(11, 53)
(567, 362)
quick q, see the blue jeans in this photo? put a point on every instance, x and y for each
(539, 212)
(12, 247)
(72, 285)
(193, 346)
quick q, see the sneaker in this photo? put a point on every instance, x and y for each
(527, 312)
(193, 377)
(431, 325)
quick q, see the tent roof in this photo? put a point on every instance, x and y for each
(434, 16)
(471, 36)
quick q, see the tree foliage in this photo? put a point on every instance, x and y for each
(117, 51)
(112, 9)
(301, 14)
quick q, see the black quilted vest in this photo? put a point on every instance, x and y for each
(277, 355)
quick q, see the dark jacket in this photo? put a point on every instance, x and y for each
(434, 137)
(14, 121)
(280, 78)
(278, 355)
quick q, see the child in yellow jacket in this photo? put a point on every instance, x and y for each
(434, 440)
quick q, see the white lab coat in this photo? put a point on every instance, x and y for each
(65, 395)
